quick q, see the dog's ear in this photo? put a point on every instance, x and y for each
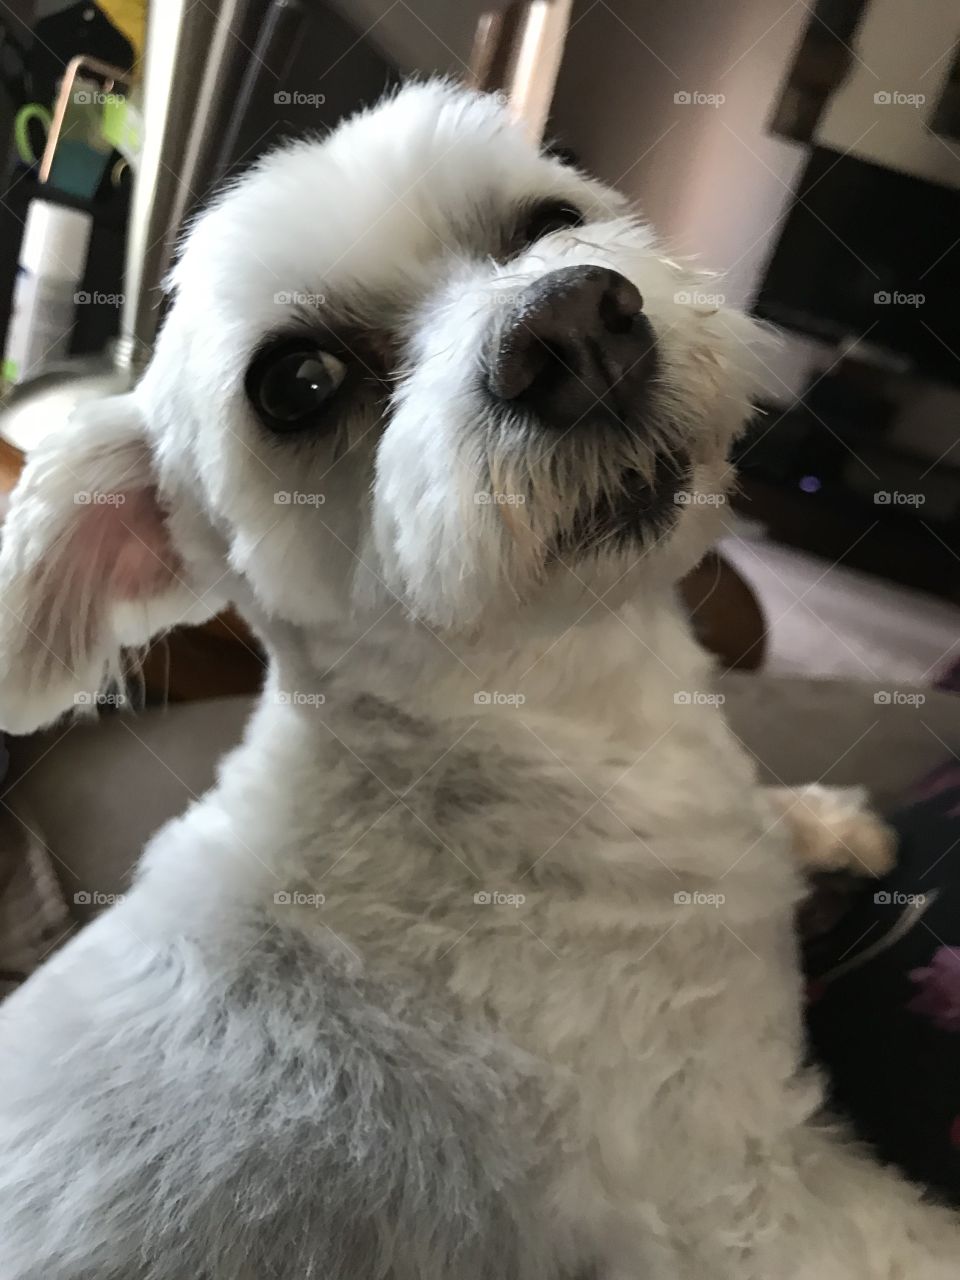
(87, 565)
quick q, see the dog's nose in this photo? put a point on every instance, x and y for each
(573, 341)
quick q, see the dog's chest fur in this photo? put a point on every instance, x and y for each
(479, 1044)
(527, 876)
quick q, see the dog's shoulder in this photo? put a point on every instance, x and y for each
(279, 1116)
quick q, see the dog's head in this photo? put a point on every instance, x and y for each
(417, 361)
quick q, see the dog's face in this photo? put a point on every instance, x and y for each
(416, 362)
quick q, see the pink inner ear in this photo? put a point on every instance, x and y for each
(117, 549)
(139, 556)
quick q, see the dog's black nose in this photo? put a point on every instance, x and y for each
(574, 341)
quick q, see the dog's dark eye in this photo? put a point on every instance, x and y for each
(291, 384)
(552, 215)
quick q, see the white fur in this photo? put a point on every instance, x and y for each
(405, 1081)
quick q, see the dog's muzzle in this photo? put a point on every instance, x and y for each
(573, 347)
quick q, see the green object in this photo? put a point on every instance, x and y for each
(21, 130)
(122, 126)
(86, 137)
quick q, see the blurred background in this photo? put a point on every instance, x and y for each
(808, 151)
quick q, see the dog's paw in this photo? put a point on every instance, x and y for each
(835, 829)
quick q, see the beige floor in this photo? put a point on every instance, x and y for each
(831, 621)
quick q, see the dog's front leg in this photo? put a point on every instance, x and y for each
(835, 829)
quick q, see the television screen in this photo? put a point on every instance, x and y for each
(870, 252)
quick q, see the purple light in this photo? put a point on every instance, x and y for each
(810, 484)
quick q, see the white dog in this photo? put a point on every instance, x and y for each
(477, 961)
